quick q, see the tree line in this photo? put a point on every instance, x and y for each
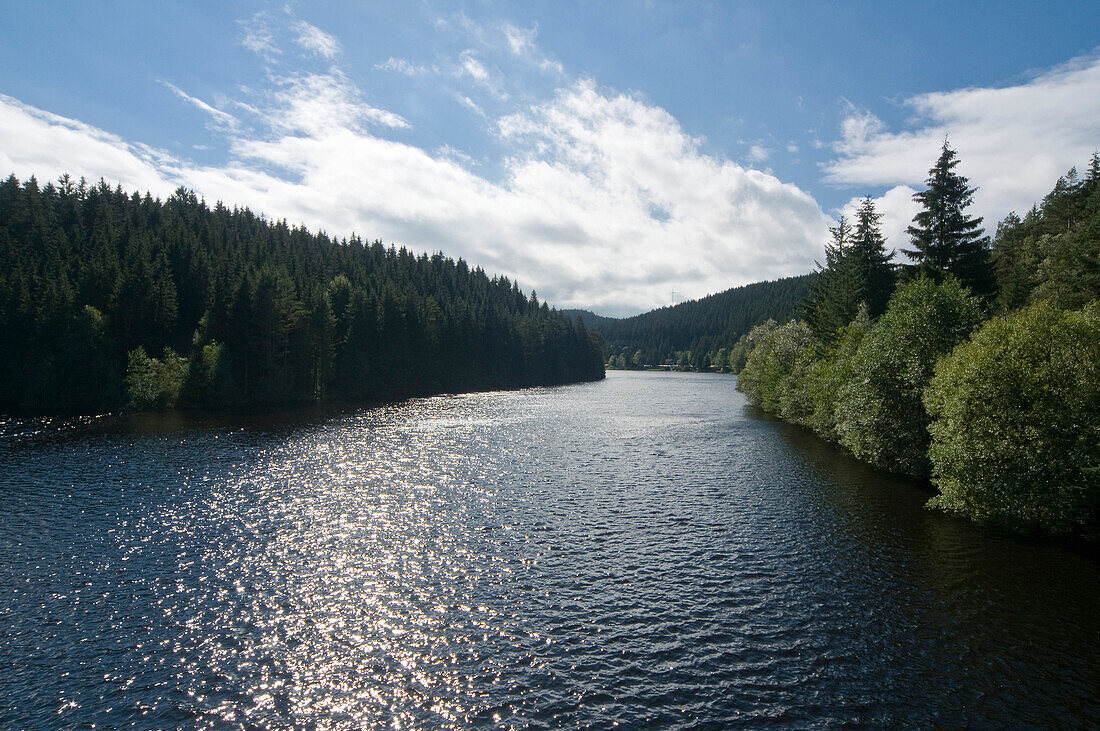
(111, 300)
(699, 334)
(976, 364)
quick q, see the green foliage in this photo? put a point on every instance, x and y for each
(1053, 253)
(699, 327)
(153, 383)
(1016, 429)
(264, 312)
(830, 370)
(771, 376)
(1013, 414)
(857, 272)
(944, 239)
(879, 413)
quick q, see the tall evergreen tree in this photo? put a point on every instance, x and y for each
(945, 240)
(836, 290)
(870, 259)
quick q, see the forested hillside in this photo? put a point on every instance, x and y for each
(701, 333)
(979, 370)
(109, 300)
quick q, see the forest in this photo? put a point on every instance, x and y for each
(112, 301)
(699, 334)
(975, 364)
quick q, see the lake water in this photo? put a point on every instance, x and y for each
(643, 551)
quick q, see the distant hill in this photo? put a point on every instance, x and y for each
(695, 331)
(589, 318)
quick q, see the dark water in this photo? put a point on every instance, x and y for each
(643, 551)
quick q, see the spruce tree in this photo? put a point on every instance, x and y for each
(945, 240)
(871, 260)
(837, 289)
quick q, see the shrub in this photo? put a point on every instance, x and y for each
(769, 372)
(879, 413)
(153, 383)
(831, 371)
(1016, 430)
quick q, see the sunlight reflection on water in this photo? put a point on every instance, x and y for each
(642, 551)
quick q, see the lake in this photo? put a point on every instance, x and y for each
(643, 551)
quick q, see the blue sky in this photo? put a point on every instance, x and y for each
(605, 154)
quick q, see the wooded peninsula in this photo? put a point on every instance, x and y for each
(111, 300)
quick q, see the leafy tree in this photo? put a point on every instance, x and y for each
(830, 370)
(1016, 422)
(770, 373)
(945, 240)
(879, 413)
(1053, 253)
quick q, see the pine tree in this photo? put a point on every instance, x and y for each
(836, 290)
(871, 260)
(945, 240)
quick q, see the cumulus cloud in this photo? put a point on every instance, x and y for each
(604, 202)
(1013, 142)
(313, 39)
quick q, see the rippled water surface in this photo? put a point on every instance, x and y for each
(642, 551)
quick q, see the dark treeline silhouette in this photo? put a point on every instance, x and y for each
(110, 300)
(699, 334)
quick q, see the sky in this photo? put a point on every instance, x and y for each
(612, 156)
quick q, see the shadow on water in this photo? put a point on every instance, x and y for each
(970, 614)
(644, 551)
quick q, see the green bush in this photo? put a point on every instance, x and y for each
(1016, 430)
(153, 383)
(770, 378)
(879, 413)
(831, 371)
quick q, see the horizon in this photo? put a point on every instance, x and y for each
(605, 157)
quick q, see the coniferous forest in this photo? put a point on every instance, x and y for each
(976, 364)
(700, 334)
(111, 300)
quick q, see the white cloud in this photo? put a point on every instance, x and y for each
(758, 153)
(897, 208)
(223, 119)
(470, 103)
(401, 66)
(313, 39)
(553, 67)
(1013, 142)
(258, 36)
(520, 40)
(316, 103)
(605, 201)
(39, 143)
(473, 67)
